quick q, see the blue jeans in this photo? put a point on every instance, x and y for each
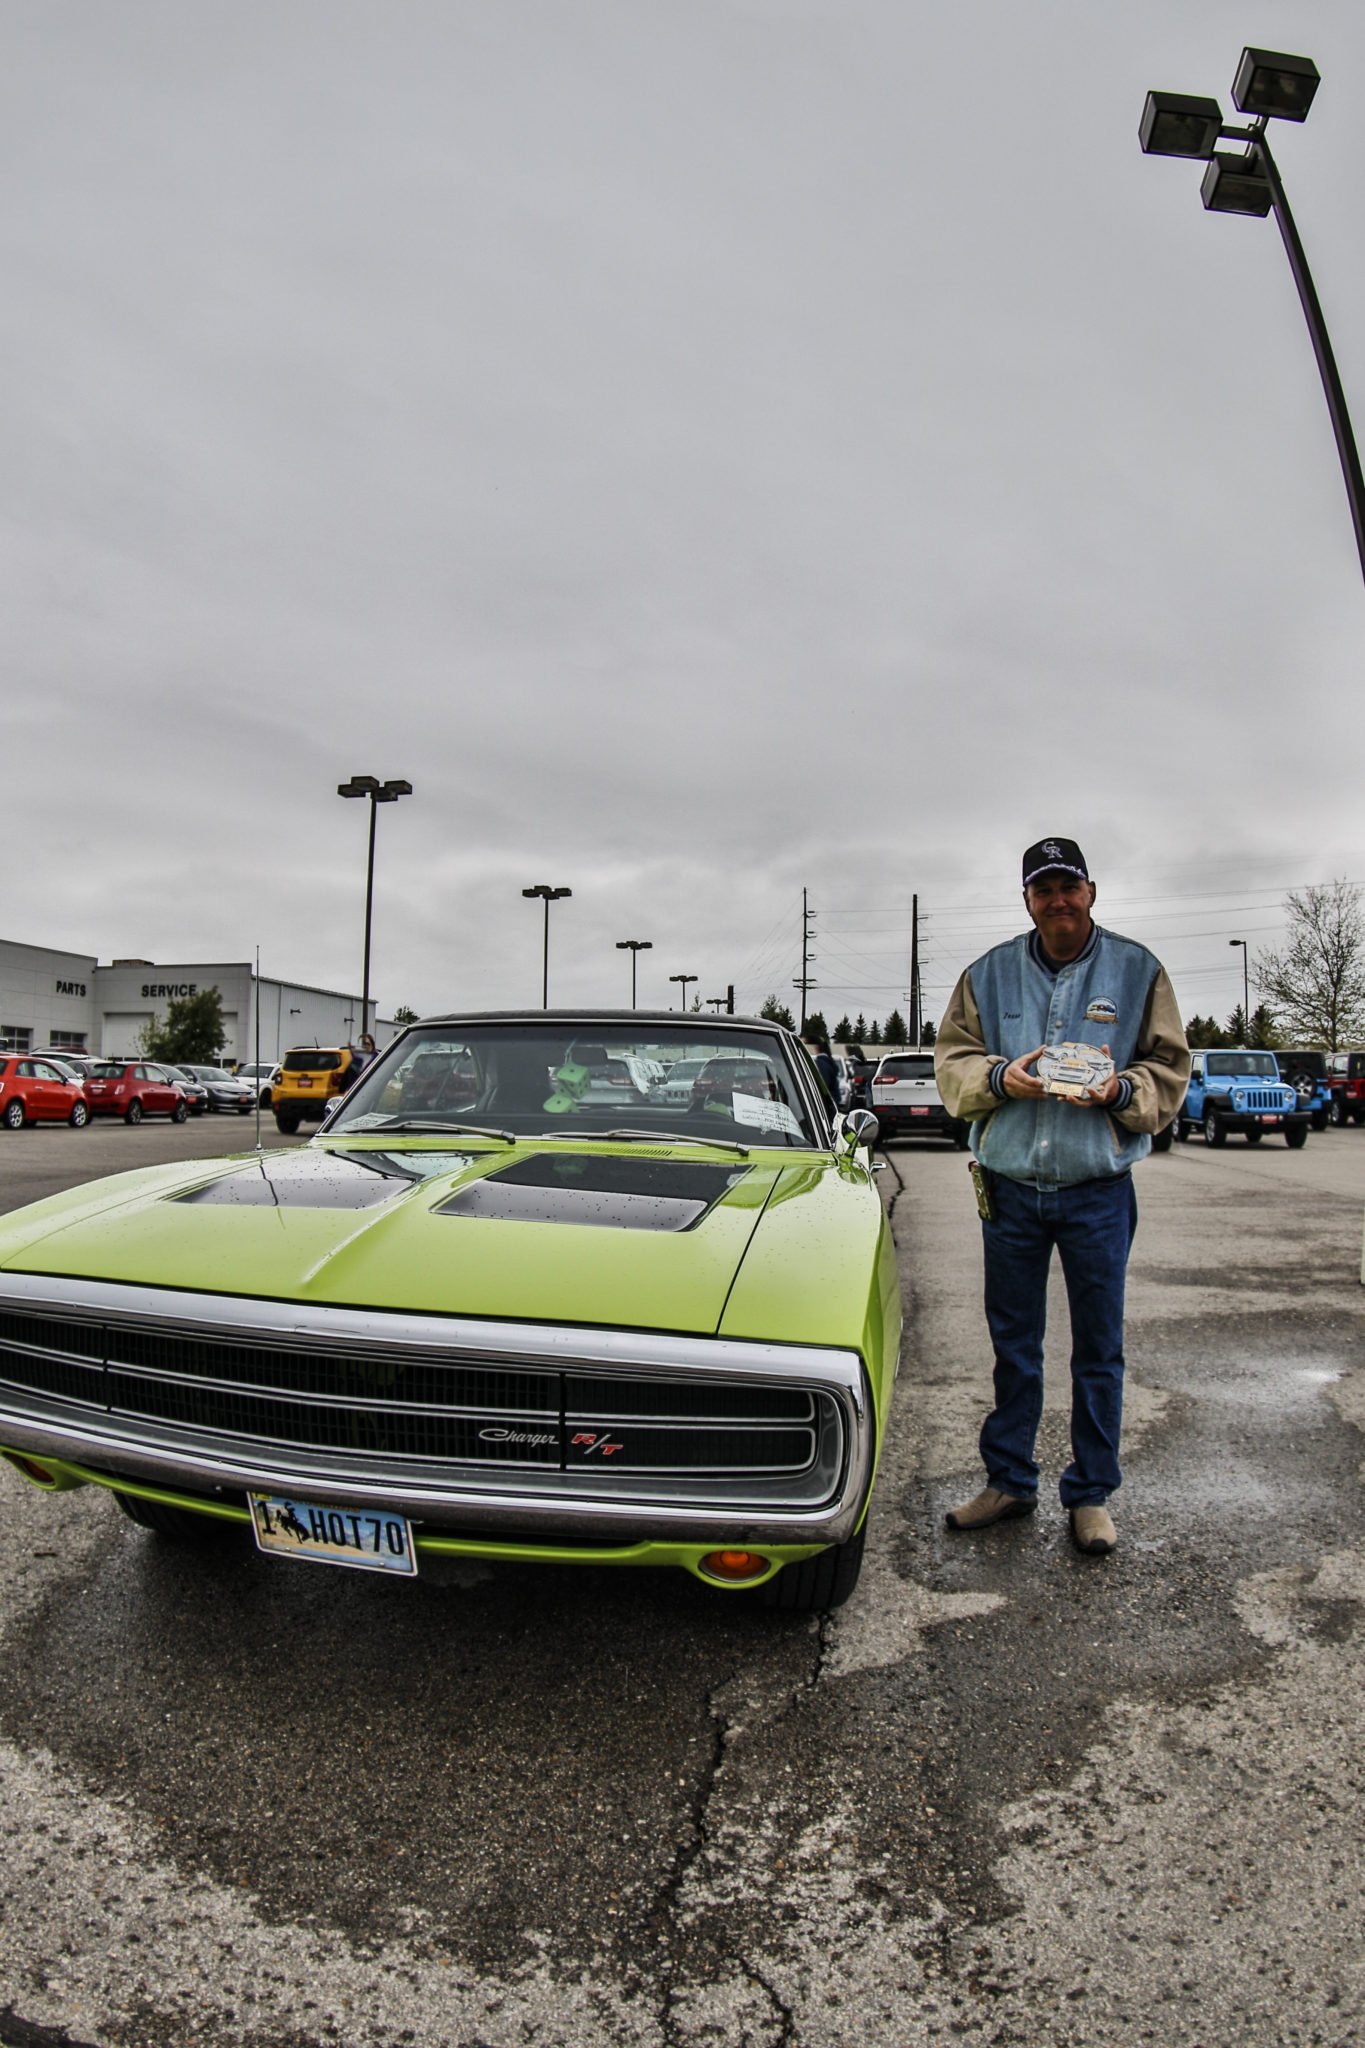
(1092, 1226)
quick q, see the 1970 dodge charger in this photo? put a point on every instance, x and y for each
(514, 1300)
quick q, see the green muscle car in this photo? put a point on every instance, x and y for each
(516, 1299)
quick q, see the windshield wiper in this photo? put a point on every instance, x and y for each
(432, 1128)
(653, 1138)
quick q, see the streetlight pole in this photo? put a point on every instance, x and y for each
(549, 895)
(1246, 989)
(634, 947)
(684, 979)
(378, 793)
(1269, 85)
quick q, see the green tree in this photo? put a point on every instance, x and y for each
(778, 1013)
(1235, 1030)
(843, 1030)
(816, 1026)
(190, 1032)
(1262, 1031)
(895, 1032)
(1315, 982)
(403, 1015)
(859, 1028)
(873, 1033)
(930, 1035)
(1204, 1031)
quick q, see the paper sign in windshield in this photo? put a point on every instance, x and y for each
(763, 1116)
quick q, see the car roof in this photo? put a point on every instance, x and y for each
(640, 1018)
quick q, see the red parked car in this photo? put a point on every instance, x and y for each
(133, 1089)
(33, 1091)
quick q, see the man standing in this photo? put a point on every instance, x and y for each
(1058, 1171)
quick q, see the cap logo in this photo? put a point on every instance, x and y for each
(1052, 850)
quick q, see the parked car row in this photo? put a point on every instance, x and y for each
(61, 1088)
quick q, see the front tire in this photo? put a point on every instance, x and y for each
(133, 1113)
(1296, 1136)
(287, 1121)
(1214, 1133)
(180, 1112)
(1338, 1113)
(817, 1583)
(14, 1114)
(80, 1116)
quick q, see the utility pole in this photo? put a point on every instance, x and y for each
(916, 1030)
(805, 983)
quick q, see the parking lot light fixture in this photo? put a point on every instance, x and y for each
(549, 896)
(378, 793)
(1246, 984)
(1270, 86)
(684, 979)
(635, 947)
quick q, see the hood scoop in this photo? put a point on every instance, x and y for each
(307, 1180)
(609, 1194)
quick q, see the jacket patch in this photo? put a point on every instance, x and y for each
(1102, 1011)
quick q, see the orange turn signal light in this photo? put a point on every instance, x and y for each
(735, 1565)
(30, 1467)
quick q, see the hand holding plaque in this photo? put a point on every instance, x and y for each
(1073, 1069)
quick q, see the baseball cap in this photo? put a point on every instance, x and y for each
(1054, 857)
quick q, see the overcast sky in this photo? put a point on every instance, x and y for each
(710, 447)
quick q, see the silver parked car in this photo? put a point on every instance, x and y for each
(224, 1090)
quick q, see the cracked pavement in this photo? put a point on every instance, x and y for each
(1006, 1794)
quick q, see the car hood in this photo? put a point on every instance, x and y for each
(625, 1236)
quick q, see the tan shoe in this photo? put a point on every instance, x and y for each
(1093, 1531)
(990, 1506)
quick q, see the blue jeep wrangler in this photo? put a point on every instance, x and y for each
(1240, 1091)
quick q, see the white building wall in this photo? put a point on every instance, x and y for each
(43, 990)
(106, 1009)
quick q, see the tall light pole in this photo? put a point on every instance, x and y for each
(378, 793)
(1246, 990)
(1269, 86)
(684, 979)
(550, 896)
(634, 947)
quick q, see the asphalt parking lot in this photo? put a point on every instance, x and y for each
(1006, 1795)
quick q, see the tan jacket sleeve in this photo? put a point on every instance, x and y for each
(1160, 1070)
(962, 1061)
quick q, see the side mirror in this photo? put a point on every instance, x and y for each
(859, 1127)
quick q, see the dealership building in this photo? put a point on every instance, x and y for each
(69, 1002)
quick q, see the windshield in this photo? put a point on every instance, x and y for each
(1261, 1065)
(529, 1078)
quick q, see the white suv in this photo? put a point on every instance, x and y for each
(906, 1101)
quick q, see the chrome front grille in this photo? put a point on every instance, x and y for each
(453, 1419)
(384, 1404)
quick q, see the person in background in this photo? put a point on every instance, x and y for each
(818, 1048)
(1058, 1171)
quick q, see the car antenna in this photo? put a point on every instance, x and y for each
(256, 1006)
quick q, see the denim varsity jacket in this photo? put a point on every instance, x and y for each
(1013, 999)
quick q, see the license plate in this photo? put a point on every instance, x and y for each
(919, 1112)
(366, 1539)
(1270, 1119)
(303, 1081)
